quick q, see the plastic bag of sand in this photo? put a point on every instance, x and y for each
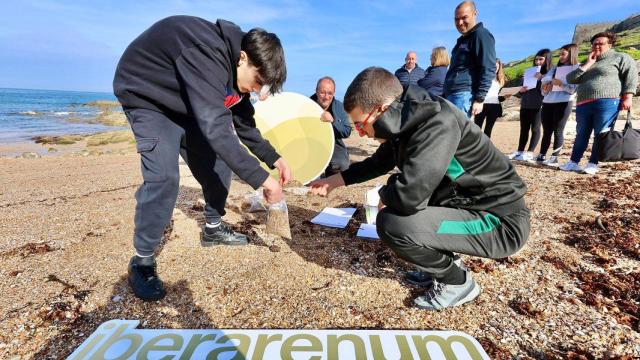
(278, 220)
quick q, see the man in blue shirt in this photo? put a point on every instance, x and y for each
(410, 72)
(473, 62)
(333, 113)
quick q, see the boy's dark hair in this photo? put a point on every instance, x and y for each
(372, 87)
(546, 54)
(608, 34)
(572, 49)
(265, 52)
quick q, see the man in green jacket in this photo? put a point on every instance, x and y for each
(454, 192)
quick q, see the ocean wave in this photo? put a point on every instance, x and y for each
(30, 113)
(61, 113)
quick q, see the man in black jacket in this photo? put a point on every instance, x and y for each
(333, 113)
(184, 85)
(454, 192)
(473, 62)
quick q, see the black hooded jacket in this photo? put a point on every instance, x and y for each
(444, 160)
(185, 67)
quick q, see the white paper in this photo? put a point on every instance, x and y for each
(530, 81)
(561, 74)
(368, 231)
(334, 217)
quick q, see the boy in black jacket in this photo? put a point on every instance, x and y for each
(184, 85)
(455, 192)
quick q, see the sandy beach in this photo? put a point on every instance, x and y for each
(66, 225)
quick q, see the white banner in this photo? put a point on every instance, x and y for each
(119, 339)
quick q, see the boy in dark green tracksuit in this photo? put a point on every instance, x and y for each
(455, 192)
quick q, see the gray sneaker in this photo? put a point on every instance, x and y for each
(440, 295)
(420, 278)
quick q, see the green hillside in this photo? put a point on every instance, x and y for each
(628, 42)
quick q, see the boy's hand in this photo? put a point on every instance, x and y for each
(284, 170)
(324, 186)
(272, 190)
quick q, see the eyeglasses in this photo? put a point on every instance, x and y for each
(599, 44)
(360, 126)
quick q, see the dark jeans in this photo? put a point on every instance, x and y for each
(159, 140)
(592, 117)
(339, 160)
(554, 119)
(429, 238)
(529, 121)
(491, 113)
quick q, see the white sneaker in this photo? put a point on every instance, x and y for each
(591, 169)
(571, 166)
(514, 155)
(551, 161)
(527, 156)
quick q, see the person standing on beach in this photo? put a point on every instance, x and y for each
(473, 62)
(184, 86)
(454, 192)
(333, 113)
(410, 72)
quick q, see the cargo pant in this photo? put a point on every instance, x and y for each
(159, 141)
(429, 238)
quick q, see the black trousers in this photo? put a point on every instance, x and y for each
(159, 141)
(529, 122)
(554, 119)
(429, 238)
(490, 113)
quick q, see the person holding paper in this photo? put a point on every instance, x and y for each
(454, 191)
(606, 81)
(530, 104)
(184, 85)
(557, 104)
(473, 62)
(492, 109)
(334, 114)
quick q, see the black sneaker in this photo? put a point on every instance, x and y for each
(222, 235)
(422, 279)
(540, 158)
(144, 280)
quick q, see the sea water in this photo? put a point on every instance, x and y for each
(28, 113)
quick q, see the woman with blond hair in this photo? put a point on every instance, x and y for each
(433, 80)
(556, 106)
(492, 109)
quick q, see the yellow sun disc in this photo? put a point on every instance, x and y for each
(291, 122)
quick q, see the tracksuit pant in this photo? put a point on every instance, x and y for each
(429, 238)
(159, 141)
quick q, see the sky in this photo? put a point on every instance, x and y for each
(76, 45)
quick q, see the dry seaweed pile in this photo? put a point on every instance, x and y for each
(607, 239)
